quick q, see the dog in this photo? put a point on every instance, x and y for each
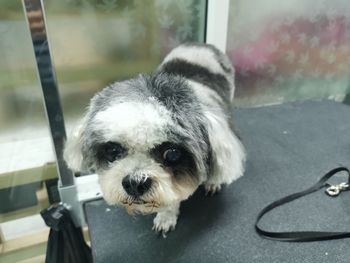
(154, 139)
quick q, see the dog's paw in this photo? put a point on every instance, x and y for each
(211, 189)
(164, 222)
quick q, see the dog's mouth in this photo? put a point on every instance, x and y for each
(138, 201)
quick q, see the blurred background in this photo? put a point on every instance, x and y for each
(282, 51)
(289, 50)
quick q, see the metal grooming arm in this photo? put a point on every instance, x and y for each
(73, 191)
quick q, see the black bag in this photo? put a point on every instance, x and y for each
(66, 243)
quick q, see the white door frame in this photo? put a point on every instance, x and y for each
(217, 23)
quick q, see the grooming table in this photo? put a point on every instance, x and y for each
(289, 147)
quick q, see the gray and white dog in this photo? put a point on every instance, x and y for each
(155, 138)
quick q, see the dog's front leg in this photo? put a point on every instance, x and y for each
(166, 219)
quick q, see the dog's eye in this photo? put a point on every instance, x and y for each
(111, 151)
(172, 156)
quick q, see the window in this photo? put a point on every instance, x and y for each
(93, 43)
(289, 50)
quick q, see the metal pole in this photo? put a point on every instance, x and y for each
(34, 12)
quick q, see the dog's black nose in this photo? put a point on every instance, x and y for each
(136, 186)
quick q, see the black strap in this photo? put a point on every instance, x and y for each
(305, 236)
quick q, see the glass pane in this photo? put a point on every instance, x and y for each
(290, 50)
(97, 42)
(26, 156)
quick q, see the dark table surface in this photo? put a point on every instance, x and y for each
(289, 147)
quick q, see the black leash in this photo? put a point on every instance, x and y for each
(306, 236)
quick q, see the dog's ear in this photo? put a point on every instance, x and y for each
(228, 153)
(73, 148)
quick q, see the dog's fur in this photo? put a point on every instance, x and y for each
(186, 103)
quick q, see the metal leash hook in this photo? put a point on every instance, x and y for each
(335, 190)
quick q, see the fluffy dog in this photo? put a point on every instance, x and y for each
(155, 138)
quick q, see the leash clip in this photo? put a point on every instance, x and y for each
(334, 190)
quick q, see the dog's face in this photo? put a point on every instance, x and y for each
(149, 152)
(140, 164)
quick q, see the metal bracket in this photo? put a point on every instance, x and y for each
(73, 197)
